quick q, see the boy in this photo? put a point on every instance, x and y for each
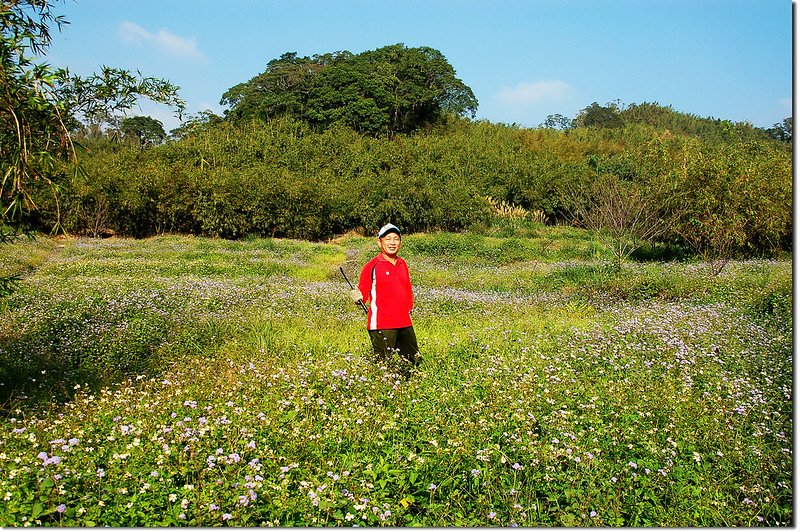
(385, 287)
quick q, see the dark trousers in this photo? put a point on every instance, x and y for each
(387, 342)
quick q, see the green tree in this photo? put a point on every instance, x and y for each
(282, 89)
(782, 131)
(558, 122)
(146, 130)
(196, 123)
(40, 106)
(597, 115)
(390, 90)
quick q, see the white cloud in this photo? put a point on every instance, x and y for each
(536, 92)
(163, 40)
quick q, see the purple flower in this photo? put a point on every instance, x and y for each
(516, 467)
(226, 517)
(61, 508)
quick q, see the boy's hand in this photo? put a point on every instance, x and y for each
(355, 295)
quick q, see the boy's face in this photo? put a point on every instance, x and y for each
(390, 244)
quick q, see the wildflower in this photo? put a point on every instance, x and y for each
(251, 444)
(432, 487)
(476, 472)
(592, 514)
(61, 508)
(213, 507)
(517, 467)
(633, 465)
(173, 497)
(492, 515)
(349, 517)
(314, 498)
(696, 457)
(7, 496)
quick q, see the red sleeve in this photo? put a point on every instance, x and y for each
(365, 281)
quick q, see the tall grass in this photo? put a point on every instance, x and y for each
(198, 382)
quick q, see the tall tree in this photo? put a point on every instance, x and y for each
(39, 106)
(782, 130)
(597, 115)
(390, 90)
(146, 130)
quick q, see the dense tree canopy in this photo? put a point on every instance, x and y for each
(394, 89)
(144, 129)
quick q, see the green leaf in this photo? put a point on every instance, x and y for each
(288, 416)
(36, 511)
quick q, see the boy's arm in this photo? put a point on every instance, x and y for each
(365, 282)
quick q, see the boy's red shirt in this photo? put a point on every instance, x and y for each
(386, 290)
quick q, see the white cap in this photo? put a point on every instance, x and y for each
(386, 229)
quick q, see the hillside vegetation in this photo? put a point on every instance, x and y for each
(716, 188)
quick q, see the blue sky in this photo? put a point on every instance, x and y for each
(524, 59)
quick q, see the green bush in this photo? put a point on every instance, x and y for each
(280, 178)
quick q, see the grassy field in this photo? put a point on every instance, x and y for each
(200, 382)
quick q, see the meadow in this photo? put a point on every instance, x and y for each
(190, 381)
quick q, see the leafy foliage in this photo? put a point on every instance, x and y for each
(390, 90)
(144, 129)
(284, 178)
(39, 105)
